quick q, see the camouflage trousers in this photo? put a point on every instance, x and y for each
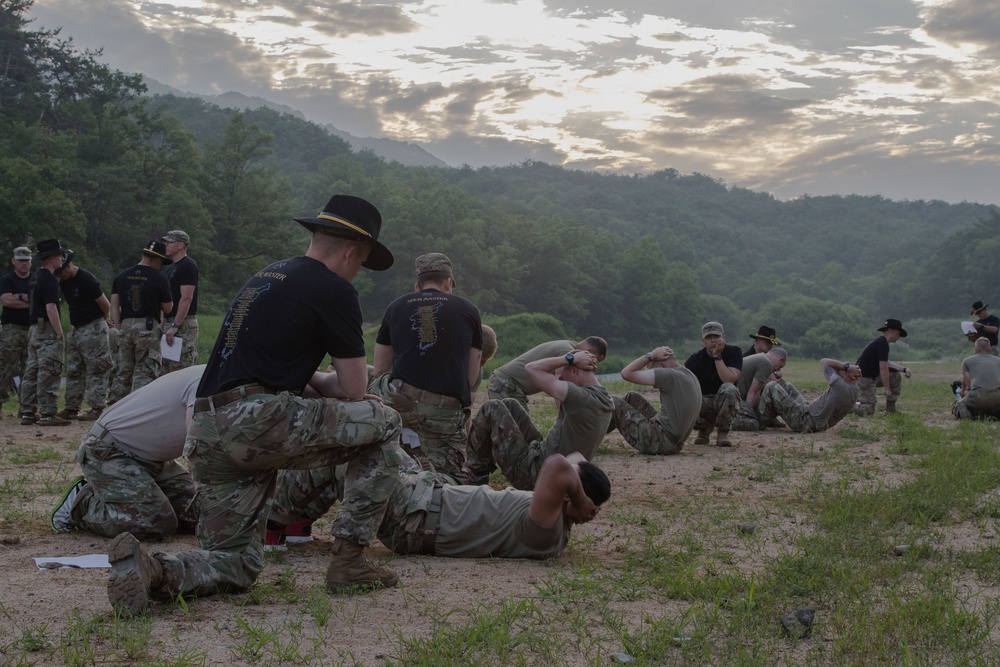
(88, 362)
(139, 361)
(639, 424)
(866, 392)
(719, 409)
(776, 401)
(750, 419)
(438, 420)
(43, 372)
(235, 453)
(124, 494)
(501, 386)
(13, 358)
(978, 404)
(188, 333)
(503, 434)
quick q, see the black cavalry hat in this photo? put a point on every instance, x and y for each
(893, 324)
(47, 248)
(157, 250)
(766, 333)
(355, 218)
(977, 306)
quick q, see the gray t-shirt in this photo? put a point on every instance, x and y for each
(983, 370)
(755, 367)
(680, 401)
(514, 368)
(582, 422)
(833, 404)
(480, 522)
(151, 423)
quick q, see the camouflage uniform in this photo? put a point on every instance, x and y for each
(43, 372)
(503, 434)
(639, 424)
(188, 333)
(235, 453)
(13, 357)
(978, 403)
(748, 419)
(775, 401)
(439, 420)
(124, 494)
(501, 385)
(866, 387)
(88, 362)
(139, 361)
(719, 409)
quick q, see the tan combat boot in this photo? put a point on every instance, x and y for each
(722, 439)
(350, 570)
(702, 437)
(134, 574)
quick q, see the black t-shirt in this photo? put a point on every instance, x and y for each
(281, 324)
(876, 351)
(431, 334)
(183, 272)
(749, 351)
(46, 291)
(11, 283)
(990, 321)
(81, 292)
(703, 366)
(141, 292)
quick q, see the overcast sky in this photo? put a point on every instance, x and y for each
(891, 97)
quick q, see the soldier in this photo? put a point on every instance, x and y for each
(717, 368)
(88, 357)
(428, 515)
(826, 411)
(182, 321)
(511, 380)
(251, 419)
(878, 371)
(43, 372)
(139, 296)
(987, 325)
(502, 432)
(132, 479)
(15, 295)
(427, 359)
(980, 384)
(763, 341)
(758, 369)
(644, 428)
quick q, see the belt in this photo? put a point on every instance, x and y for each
(103, 434)
(431, 522)
(428, 397)
(22, 327)
(213, 403)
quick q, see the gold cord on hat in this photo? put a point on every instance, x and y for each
(333, 218)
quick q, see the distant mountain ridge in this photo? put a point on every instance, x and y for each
(403, 152)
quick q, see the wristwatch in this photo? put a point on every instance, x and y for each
(569, 358)
(648, 356)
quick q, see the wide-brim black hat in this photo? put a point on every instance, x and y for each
(766, 333)
(894, 324)
(977, 306)
(354, 218)
(47, 248)
(157, 250)
(66, 260)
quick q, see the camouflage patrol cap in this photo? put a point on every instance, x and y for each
(433, 262)
(712, 329)
(22, 252)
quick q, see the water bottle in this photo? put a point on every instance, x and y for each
(958, 393)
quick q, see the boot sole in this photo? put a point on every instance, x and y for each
(127, 587)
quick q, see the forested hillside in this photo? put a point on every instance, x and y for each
(640, 259)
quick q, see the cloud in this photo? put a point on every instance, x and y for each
(960, 22)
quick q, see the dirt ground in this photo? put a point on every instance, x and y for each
(36, 464)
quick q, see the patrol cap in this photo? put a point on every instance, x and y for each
(434, 262)
(175, 235)
(712, 329)
(22, 252)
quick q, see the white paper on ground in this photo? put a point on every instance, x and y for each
(170, 352)
(411, 438)
(88, 561)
